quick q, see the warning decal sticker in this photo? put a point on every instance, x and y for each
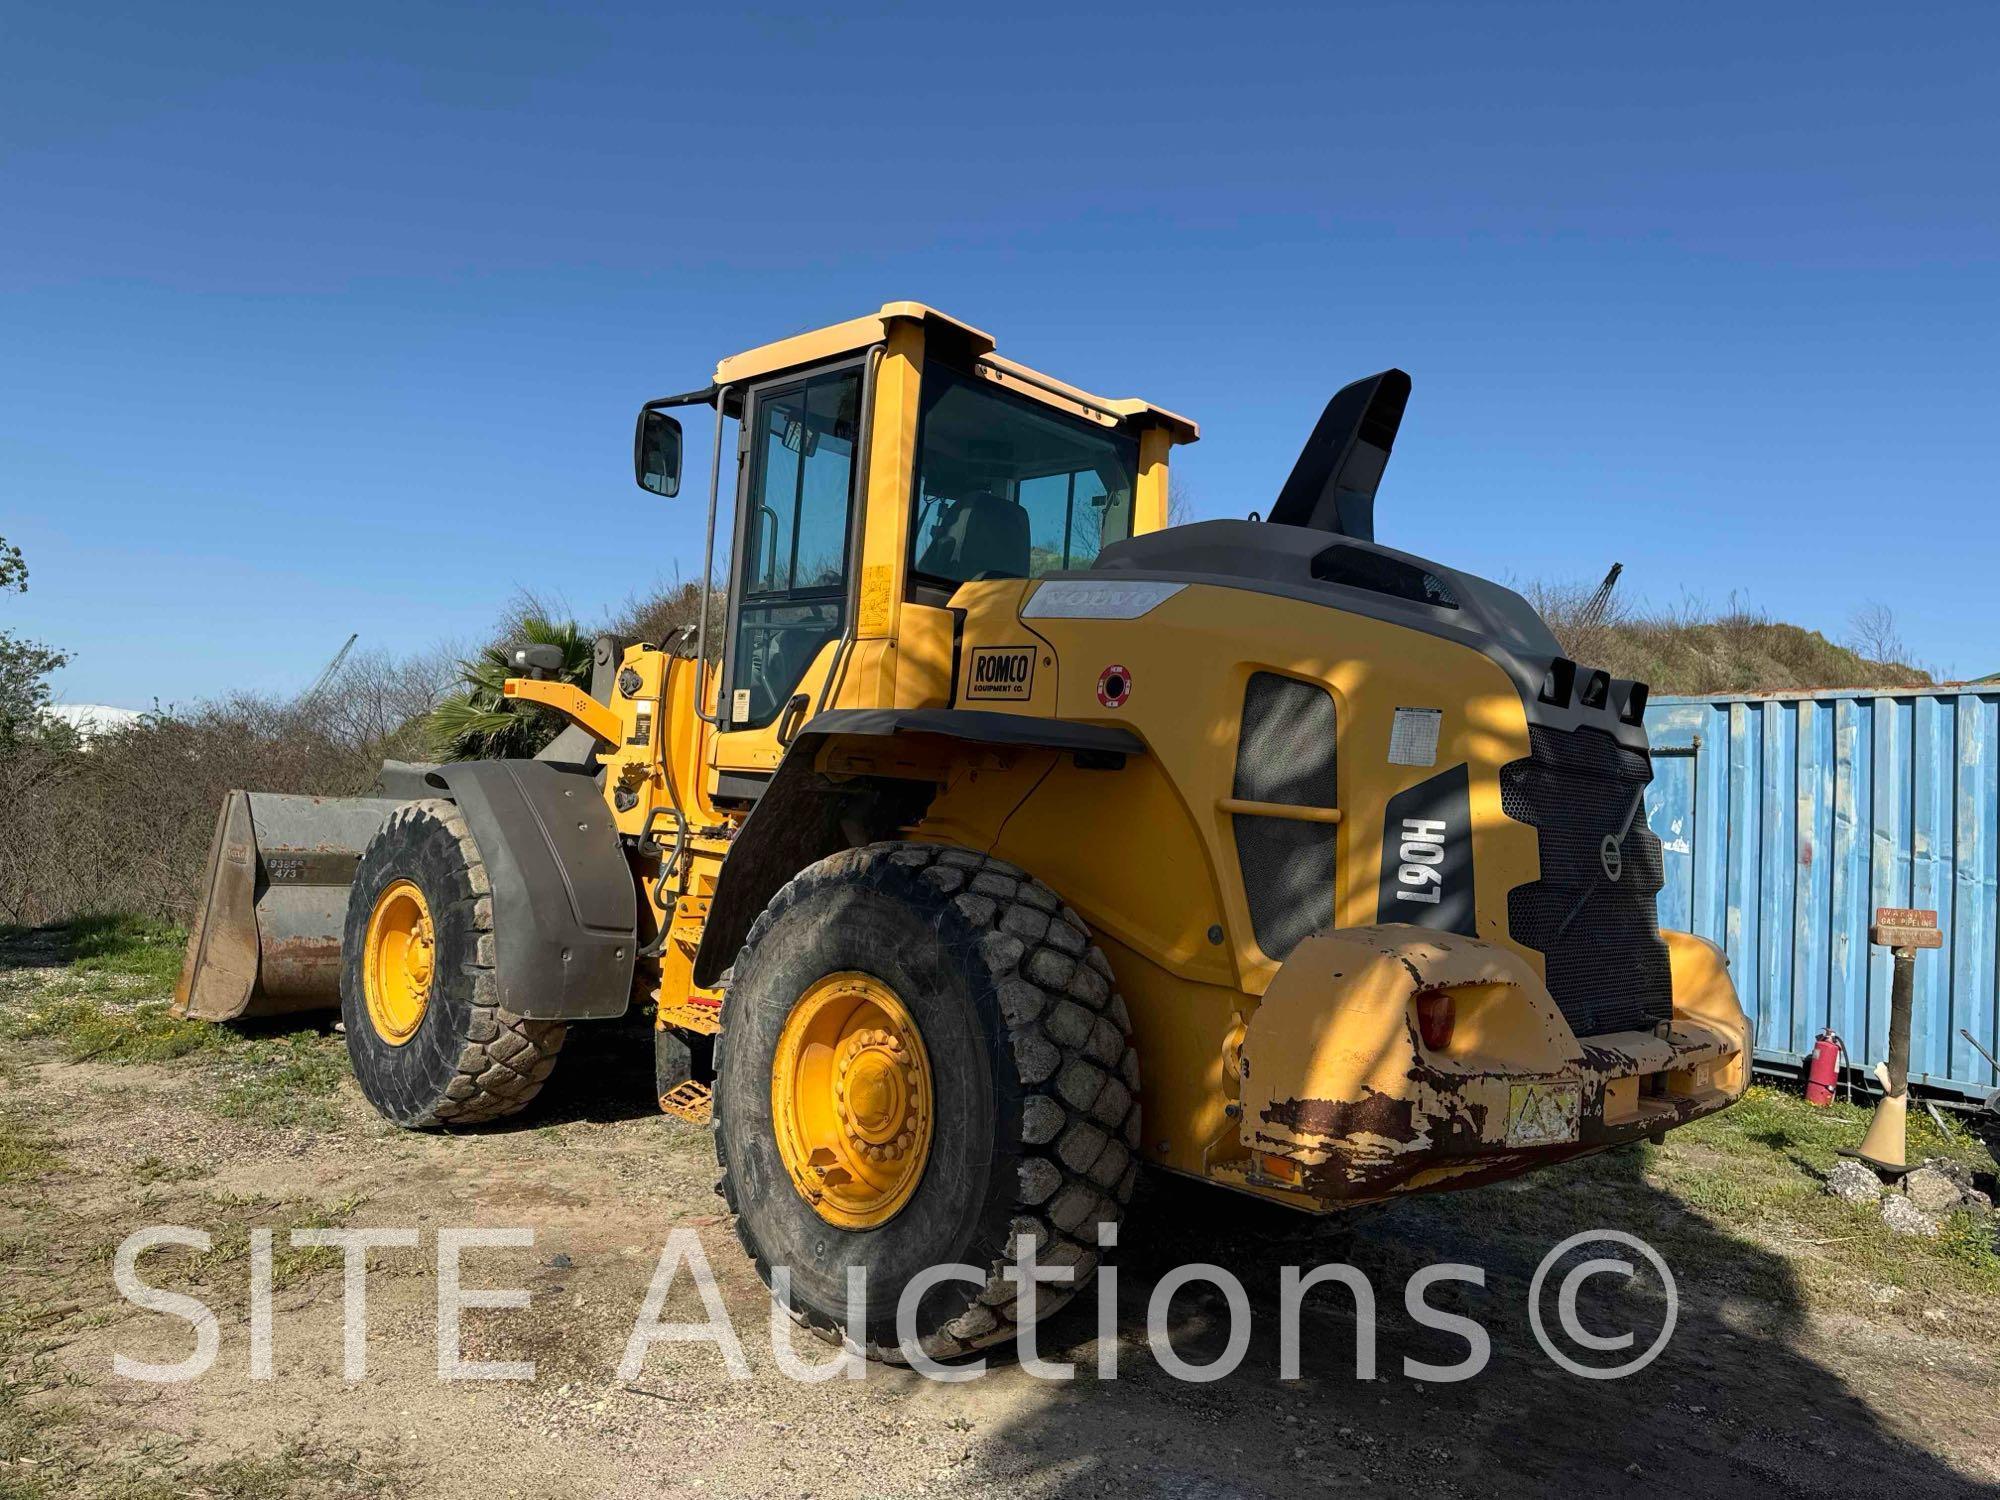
(1543, 1114)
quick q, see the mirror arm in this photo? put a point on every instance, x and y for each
(706, 396)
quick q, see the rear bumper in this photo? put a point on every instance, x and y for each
(1342, 1103)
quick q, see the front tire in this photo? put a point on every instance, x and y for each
(1022, 1090)
(429, 1041)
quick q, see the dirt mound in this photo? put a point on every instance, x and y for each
(1691, 649)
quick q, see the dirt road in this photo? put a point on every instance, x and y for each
(1767, 1382)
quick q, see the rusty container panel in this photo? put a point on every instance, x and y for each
(1786, 819)
(266, 936)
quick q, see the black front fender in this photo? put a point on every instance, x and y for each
(565, 902)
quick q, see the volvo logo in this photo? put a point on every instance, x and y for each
(1612, 855)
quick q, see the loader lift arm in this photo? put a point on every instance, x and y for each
(570, 701)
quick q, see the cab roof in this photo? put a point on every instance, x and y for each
(859, 333)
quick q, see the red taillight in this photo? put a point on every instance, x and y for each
(1437, 1014)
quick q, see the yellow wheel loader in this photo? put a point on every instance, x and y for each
(996, 797)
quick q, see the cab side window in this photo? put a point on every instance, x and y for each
(1008, 487)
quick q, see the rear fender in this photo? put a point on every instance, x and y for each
(565, 900)
(803, 816)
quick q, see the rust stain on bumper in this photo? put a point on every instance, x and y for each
(1346, 1093)
(1327, 1119)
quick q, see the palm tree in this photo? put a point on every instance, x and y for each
(480, 723)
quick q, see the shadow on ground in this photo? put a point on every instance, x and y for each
(1736, 1403)
(34, 948)
(605, 1074)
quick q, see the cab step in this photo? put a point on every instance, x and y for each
(688, 1101)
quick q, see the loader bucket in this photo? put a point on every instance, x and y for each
(266, 937)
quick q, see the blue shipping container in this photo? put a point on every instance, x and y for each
(1787, 818)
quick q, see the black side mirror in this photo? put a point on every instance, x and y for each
(656, 453)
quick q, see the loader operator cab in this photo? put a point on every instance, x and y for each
(881, 467)
(1003, 487)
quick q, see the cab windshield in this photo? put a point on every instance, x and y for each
(1010, 488)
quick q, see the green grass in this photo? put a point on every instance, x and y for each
(25, 1152)
(229, 1218)
(126, 945)
(282, 1079)
(92, 1028)
(43, 1457)
(1760, 1168)
(97, 990)
(123, 1021)
(150, 1170)
(1969, 1237)
(302, 1470)
(1768, 1120)
(287, 1080)
(1737, 1204)
(33, 1463)
(278, 1080)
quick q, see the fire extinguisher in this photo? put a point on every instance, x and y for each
(1823, 1068)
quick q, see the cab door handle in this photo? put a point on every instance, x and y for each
(793, 716)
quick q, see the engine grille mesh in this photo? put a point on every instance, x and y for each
(1285, 753)
(1606, 961)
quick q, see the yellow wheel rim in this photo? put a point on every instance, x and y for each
(400, 957)
(851, 1100)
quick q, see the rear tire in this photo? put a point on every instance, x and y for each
(467, 1060)
(1035, 1121)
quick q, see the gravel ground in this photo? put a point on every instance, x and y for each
(1758, 1388)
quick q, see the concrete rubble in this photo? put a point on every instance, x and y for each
(1920, 1202)
(1851, 1182)
(1904, 1217)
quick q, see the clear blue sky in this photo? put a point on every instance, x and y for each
(320, 319)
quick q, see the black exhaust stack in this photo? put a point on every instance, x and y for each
(1332, 486)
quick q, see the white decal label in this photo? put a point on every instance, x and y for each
(1413, 738)
(1422, 852)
